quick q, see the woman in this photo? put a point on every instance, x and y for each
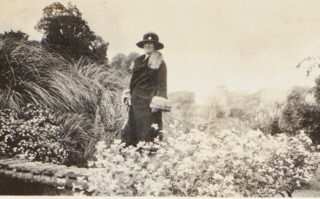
(147, 96)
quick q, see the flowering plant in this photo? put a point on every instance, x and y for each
(31, 133)
(228, 163)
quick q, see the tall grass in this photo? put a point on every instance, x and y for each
(85, 96)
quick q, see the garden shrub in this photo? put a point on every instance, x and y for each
(230, 163)
(229, 109)
(183, 109)
(33, 134)
(85, 98)
(301, 112)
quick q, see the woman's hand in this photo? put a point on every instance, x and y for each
(127, 101)
(126, 97)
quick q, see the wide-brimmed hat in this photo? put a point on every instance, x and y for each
(151, 37)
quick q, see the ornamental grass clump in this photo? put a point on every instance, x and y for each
(228, 163)
(24, 62)
(84, 96)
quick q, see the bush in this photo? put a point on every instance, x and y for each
(231, 163)
(85, 98)
(301, 113)
(183, 109)
(32, 133)
(87, 101)
(243, 111)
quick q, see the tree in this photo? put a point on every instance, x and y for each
(99, 49)
(182, 98)
(66, 32)
(183, 108)
(301, 114)
(303, 108)
(118, 61)
(122, 61)
(10, 76)
(16, 36)
(130, 58)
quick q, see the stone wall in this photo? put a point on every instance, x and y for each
(59, 177)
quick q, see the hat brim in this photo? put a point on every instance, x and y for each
(158, 45)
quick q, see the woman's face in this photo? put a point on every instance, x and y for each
(149, 47)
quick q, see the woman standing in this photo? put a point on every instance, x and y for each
(147, 96)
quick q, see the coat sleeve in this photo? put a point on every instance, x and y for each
(162, 81)
(132, 67)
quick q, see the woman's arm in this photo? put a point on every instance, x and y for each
(126, 97)
(162, 81)
(160, 101)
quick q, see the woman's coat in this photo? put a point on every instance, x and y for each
(149, 79)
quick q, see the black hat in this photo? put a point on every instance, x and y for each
(151, 37)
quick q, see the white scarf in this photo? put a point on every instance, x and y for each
(155, 60)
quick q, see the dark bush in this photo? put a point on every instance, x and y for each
(300, 114)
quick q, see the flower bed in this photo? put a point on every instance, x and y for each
(229, 163)
(31, 133)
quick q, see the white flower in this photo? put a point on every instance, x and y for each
(100, 145)
(155, 126)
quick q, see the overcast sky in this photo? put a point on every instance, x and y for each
(242, 44)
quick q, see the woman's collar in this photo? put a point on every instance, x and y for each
(155, 60)
(146, 56)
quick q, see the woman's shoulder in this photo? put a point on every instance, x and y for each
(140, 58)
(155, 61)
(137, 61)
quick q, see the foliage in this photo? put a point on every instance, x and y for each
(14, 35)
(22, 62)
(183, 108)
(68, 33)
(99, 50)
(32, 133)
(303, 106)
(121, 64)
(182, 98)
(228, 109)
(123, 61)
(310, 63)
(301, 112)
(316, 90)
(230, 163)
(85, 97)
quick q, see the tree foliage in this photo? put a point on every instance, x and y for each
(123, 61)
(68, 33)
(301, 112)
(14, 35)
(183, 108)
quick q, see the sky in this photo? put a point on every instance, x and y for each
(245, 45)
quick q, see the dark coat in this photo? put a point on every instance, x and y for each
(145, 83)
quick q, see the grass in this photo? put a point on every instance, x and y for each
(85, 97)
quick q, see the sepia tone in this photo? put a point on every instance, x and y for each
(238, 114)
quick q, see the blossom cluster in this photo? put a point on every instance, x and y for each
(31, 133)
(228, 163)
